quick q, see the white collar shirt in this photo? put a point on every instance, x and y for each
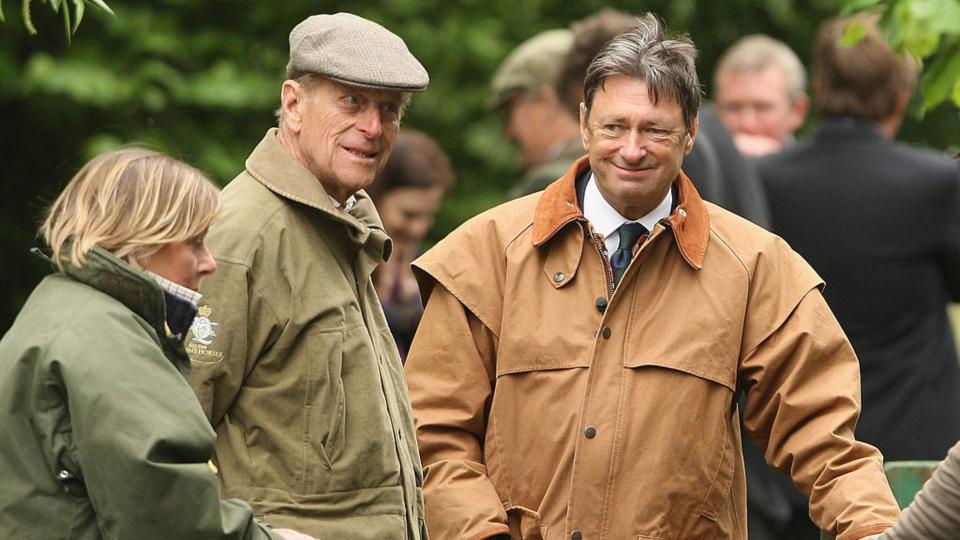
(606, 220)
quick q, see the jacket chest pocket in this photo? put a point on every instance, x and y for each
(686, 403)
(324, 405)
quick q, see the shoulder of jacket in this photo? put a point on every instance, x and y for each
(470, 262)
(931, 162)
(70, 316)
(499, 225)
(481, 240)
(250, 215)
(751, 244)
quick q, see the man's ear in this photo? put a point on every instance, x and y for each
(691, 135)
(799, 107)
(291, 98)
(584, 130)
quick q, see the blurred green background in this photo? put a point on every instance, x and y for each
(200, 80)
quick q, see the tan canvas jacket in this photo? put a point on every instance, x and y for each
(294, 364)
(548, 408)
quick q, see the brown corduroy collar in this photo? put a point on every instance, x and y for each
(690, 221)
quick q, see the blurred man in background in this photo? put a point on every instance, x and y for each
(546, 135)
(880, 221)
(759, 91)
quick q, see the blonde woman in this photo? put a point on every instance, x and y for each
(102, 436)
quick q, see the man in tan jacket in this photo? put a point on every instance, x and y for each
(577, 371)
(292, 358)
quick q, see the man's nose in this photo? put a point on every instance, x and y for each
(634, 147)
(749, 120)
(370, 122)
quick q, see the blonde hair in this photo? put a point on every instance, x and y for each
(129, 202)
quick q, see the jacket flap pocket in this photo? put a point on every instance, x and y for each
(701, 365)
(540, 363)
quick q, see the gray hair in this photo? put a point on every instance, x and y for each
(665, 65)
(757, 52)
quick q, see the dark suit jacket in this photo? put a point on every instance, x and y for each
(880, 222)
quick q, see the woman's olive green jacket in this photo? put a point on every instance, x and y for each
(102, 436)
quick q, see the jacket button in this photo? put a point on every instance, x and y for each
(601, 303)
(590, 432)
(576, 535)
(682, 212)
(559, 276)
(606, 332)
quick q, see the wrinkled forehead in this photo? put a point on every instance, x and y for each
(622, 96)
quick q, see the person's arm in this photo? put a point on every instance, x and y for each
(142, 444)
(803, 400)
(241, 322)
(450, 371)
(935, 512)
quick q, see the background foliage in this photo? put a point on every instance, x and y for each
(927, 29)
(199, 80)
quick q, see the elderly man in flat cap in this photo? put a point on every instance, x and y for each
(292, 358)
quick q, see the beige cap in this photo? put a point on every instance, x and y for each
(534, 63)
(354, 51)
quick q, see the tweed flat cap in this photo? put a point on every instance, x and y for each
(352, 50)
(534, 63)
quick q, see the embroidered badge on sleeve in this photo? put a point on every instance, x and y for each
(203, 332)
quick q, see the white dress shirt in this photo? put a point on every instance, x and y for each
(606, 220)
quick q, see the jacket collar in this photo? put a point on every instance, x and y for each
(849, 127)
(273, 166)
(133, 288)
(690, 221)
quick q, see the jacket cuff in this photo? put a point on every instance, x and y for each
(496, 533)
(863, 532)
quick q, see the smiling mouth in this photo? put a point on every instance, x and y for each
(633, 169)
(365, 155)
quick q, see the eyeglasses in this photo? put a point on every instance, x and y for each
(654, 134)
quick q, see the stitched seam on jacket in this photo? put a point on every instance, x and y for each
(714, 515)
(733, 251)
(778, 326)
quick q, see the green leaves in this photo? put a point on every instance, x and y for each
(929, 30)
(941, 80)
(852, 34)
(61, 7)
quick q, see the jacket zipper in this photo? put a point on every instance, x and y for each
(602, 251)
